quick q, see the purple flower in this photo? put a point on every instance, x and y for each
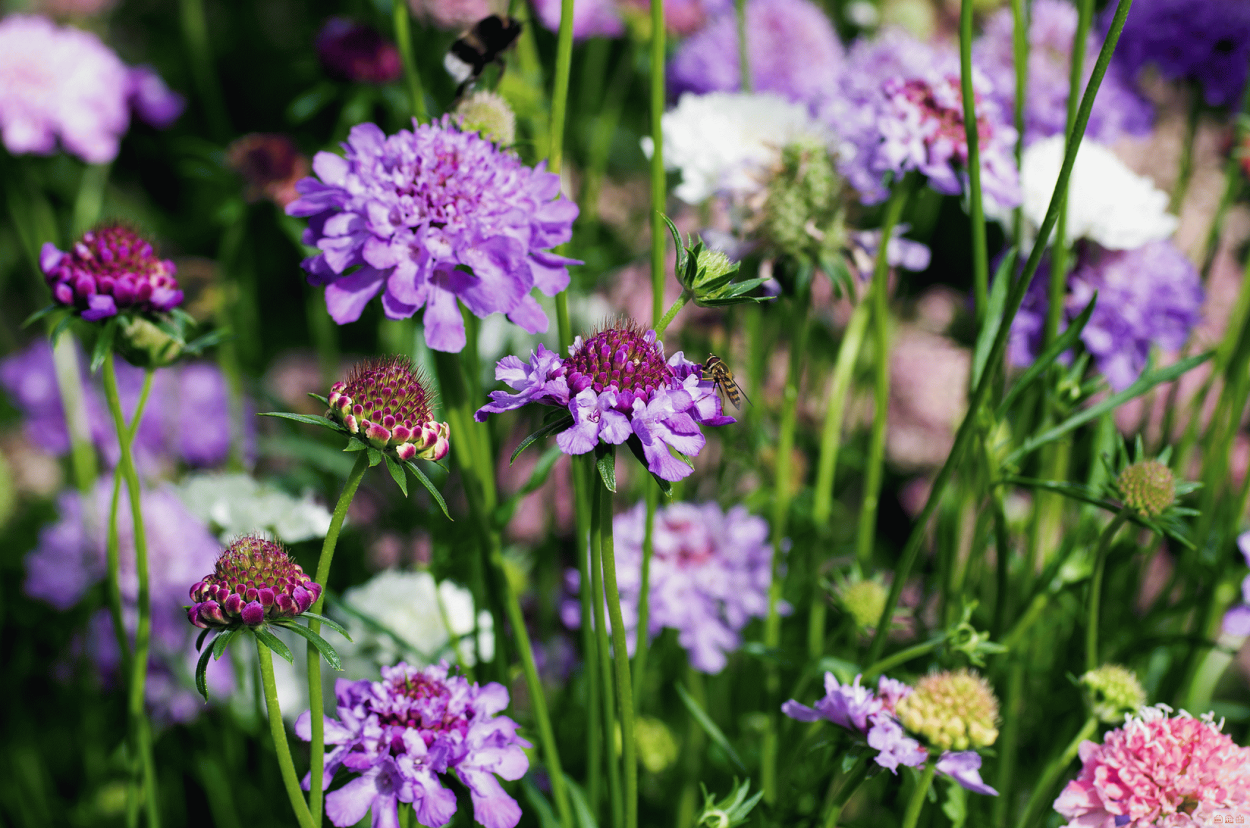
(385, 401)
(793, 51)
(965, 768)
(1207, 41)
(254, 581)
(893, 746)
(591, 18)
(357, 53)
(846, 705)
(62, 84)
(434, 215)
(111, 269)
(1237, 619)
(1118, 109)
(401, 733)
(1149, 296)
(858, 709)
(617, 387)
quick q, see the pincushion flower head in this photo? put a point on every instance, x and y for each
(1159, 770)
(952, 709)
(430, 216)
(255, 580)
(618, 388)
(403, 733)
(111, 269)
(1112, 692)
(355, 52)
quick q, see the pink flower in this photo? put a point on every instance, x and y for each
(1159, 770)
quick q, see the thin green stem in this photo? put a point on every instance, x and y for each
(849, 785)
(620, 655)
(1185, 165)
(916, 803)
(199, 53)
(692, 750)
(1232, 184)
(591, 655)
(879, 297)
(644, 586)
(403, 38)
(659, 184)
(662, 324)
(602, 132)
(999, 347)
(591, 480)
(901, 657)
(1020, 56)
(74, 402)
(560, 86)
(744, 52)
(277, 729)
(1009, 742)
(980, 253)
(1095, 589)
(1041, 795)
(317, 745)
(90, 198)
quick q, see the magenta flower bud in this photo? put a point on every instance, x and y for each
(111, 269)
(388, 402)
(259, 581)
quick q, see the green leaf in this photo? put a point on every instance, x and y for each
(375, 456)
(993, 315)
(355, 444)
(581, 809)
(61, 326)
(397, 474)
(40, 314)
(429, 486)
(679, 244)
(103, 344)
(222, 641)
(1044, 360)
(323, 646)
(329, 622)
(709, 727)
(274, 643)
(605, 463)
(539, 805)
(199, 640)
(323, 400)
(201, 673)
(306, 419)
(205, 341)
(542, 470)
(955, 805)
(560, 423)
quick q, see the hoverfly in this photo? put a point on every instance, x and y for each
(718, 372)
(479, 47)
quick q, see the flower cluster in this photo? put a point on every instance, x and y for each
(350, 51)
(111, 269)
(59, 83)
(617, 387)
(401, 733)
(385, 401)
(1159, 769)
(254, 581)
(1237, 619)
(952, 710)
(1112, 692)
(431, 216)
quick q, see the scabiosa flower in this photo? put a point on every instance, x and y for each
(403, 732)
(488, 114)
(1148, 487)
(1118, 109)
(727, 142)
(793, 51)
(434, 215)
(1206, 42)
(617, 387)
(269, 164)
(1159, 770)
(1112, 692)
(255, 580)
(358, 53)
(1237, 619)
(954, 709)
(58, 83)
(450, 14)
(385, 402)
(112, 268)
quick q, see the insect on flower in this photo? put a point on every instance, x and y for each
(718, 372)
(479, 47)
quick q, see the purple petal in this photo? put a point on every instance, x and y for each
(1237, 620)
(444, 326)
(346, 297)
(529, 316)
(965, 768)
(151, 99)
(349, 804)
(800, 711)
(491, 805)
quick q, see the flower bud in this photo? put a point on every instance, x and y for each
(255, 580)
(953, 710)
(864, 601)
(384, 401)
(1111, 692)
(802, 213)
(1148, 487)
(145, 344)
(489, 115)
(111, 269)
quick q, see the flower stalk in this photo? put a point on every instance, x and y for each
(277, 729)
(980, 253)
(1095, 588)
(403, 38)
(912, 815)
(850, 785)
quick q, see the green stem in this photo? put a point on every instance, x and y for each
(851, 784)
(73, 401)
(199, 53)
(879, 298)
(590, 479)
(1232, 184)
(1185, 166)
(902, 657)
(692, 750)
(980, 253)
(560, 86)
(1040, 797)
(998, 349)
(659, 188)
(912, 814)
(317, 745)
(662, 324)
(1020, 55)
(403, 38)
(90, 198)
(1095, 589)
(1009, 742)
(591, 656)
(620, 655)
(602, 132)
(277, 729)
(744, 53)
(644, 586)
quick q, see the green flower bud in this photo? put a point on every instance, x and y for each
(954, 710)
(145, 344)
(1112, 691)
(657, 749)
(1148, 487)
(802, 212)
(488, 114)
(864, 601)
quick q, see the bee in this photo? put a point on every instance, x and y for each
(479, 47)
(716, 370)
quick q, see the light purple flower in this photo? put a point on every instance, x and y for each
(965, 768)
(429, 217)
(591, 18)
(1237, 619)
(1118, 109)
(110, 269)
(893, 746)
(618, 388)
(1207, 41)
(62, 84)
(403, 732)
(846, 705)
(793, 51)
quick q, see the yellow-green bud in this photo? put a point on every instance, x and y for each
(1148, 487)
(488, 114)
(864, 601)
(1111, 691)
(144, 344)
(657, 749)
(953, 710)
(802, 214)
(713, 264)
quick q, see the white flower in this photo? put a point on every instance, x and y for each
(1107, 202)
(724, 142)
(236, 504)
(398, 614)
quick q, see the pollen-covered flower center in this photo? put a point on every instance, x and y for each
(255, 563)
(387, 392)
(620, 359)
(426, 706)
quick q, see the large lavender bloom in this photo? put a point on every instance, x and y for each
(617, 387)
(61, 84)
(1149, 296)
(401, 733)
(899, 108)
(431, 216)
(792, 50)
(1206, 41)
(1118, 109)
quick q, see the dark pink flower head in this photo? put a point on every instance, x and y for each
(111, 269)
(618, 387)
(354, 52)
(402, 733)
(385, 401)
(255, 580)
(269, 164)
(1159, 770)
